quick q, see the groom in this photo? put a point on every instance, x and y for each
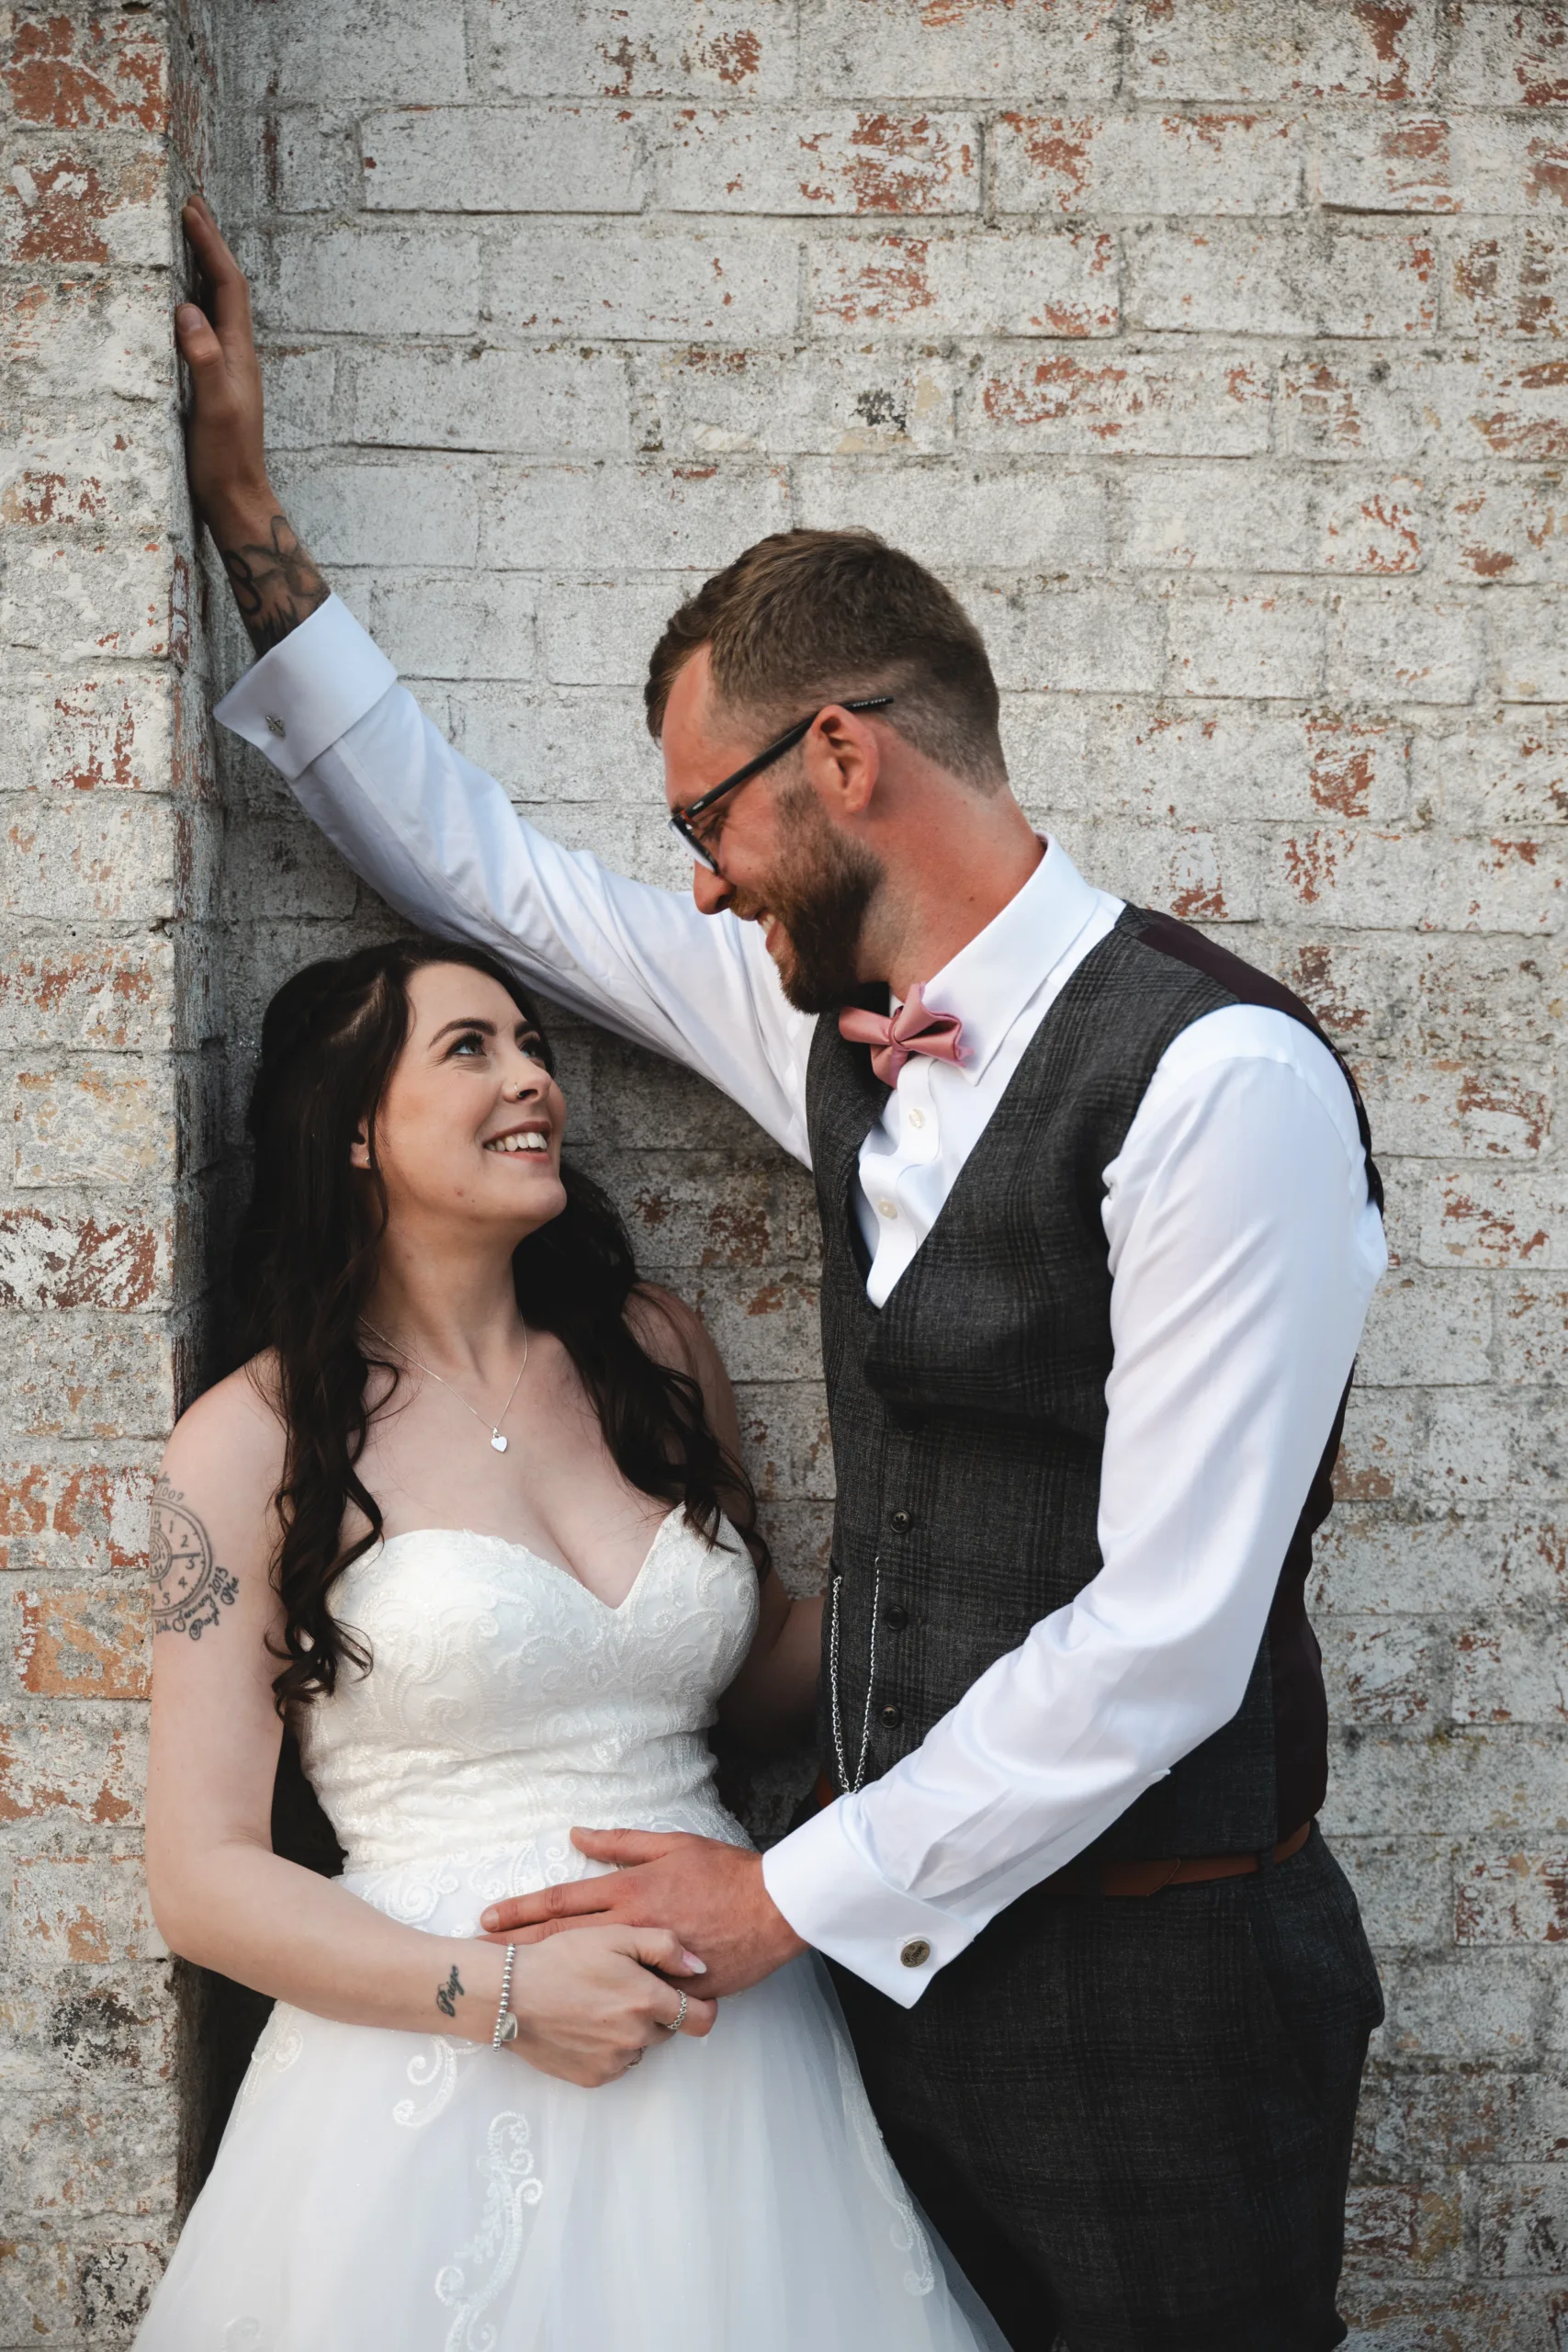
(1099, 1227)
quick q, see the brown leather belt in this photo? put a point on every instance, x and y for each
(1153, 1878)
(1142, 1878)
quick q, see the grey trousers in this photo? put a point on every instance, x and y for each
(1131, 2118)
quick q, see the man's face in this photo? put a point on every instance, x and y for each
(785, 864)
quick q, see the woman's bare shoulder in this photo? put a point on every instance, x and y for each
(231, 1442)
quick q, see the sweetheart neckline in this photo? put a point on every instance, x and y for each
(542, 1560)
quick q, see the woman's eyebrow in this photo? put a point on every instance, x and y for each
(487, 1026)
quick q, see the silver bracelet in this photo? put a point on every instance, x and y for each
(505, 2017)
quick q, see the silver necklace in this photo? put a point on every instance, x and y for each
(409, 1357)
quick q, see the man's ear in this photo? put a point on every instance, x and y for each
(843, 759)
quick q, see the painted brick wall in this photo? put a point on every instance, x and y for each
(107, 826)
(1214, 350)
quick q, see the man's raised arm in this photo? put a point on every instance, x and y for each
(433, 834)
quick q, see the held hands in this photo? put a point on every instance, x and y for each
(710, 1893)
(587, 2010)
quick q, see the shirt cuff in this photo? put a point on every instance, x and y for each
(309, 690)
(831, 1896)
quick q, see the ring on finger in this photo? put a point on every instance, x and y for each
(674, 2024)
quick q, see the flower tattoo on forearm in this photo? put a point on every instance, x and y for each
(190, 1591)
(275, 584)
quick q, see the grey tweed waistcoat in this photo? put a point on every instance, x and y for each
(968, 1413)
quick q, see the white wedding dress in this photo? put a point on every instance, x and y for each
(399, 2192)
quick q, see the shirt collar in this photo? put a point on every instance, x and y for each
(990, 981)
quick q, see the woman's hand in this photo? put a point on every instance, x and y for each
(587, 2005)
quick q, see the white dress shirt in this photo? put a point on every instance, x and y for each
(1243, 1252)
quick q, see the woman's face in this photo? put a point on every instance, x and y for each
(469, 1126)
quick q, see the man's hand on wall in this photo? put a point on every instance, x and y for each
(275, 584)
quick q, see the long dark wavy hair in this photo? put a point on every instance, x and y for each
(305, 1269)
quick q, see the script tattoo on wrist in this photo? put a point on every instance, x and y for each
(446, 1999)
(275, 584)
(190, 1591)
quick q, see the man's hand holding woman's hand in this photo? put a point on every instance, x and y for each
(713, 1894)
(587, 2007)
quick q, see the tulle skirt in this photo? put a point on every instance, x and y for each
(421, 2194)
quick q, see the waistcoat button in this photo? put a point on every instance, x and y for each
(892, 1714)
(895, 1615)
(900, 1522)
(916, 1953)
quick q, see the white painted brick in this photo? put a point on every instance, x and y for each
(586, 750)
(552, 399)
(1263, 641)
(1511, 1673)
(1043, 520)
(1515, 531)
(731, 283)
(78, 597)
(1504, 278)
(1130, 404)
(502, 158)
(1052, 49)
(1507, 56)
(109, 1122)
(1325, 278)
(311, 163)
(1530, 650)
(111, 732)
(648, 517)
(403, 511)
(299, 386)
(1094, 639)
(390, 51)
(825, 401)
(363, 281)
(718, 48)
(1390, 645)
(1278, 49)
(110, 331)
(1189, 518)
(1500, 770)
(105, 858)
(1211, 163)
(446, 625)
(834, 161)
(601, 632)
(1052, 283)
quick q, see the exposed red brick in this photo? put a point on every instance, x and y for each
(83, 1644)
(99, 73)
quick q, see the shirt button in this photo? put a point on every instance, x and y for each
(275, 725)
(917, 1117)
(892, 1714)
(916, 1953)
(887, 1208)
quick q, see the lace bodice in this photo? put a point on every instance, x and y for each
(506, 1704)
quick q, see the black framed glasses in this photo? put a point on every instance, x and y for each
(683, 821)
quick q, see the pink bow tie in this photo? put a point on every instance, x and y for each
(894, 1038)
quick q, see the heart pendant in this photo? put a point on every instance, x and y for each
(498, 1441)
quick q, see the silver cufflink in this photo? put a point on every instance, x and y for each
(916, 1953)
(276, 724)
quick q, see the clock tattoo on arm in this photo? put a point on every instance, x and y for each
(189, 1590)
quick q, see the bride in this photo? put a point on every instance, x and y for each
(471, 1521)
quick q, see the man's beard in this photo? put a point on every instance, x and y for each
(820, 899)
